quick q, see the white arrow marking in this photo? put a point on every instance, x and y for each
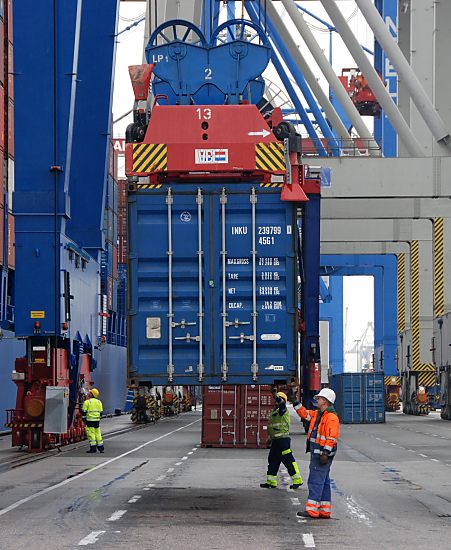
(263, 133)
(228, 412)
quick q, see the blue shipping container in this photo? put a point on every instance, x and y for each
(360, 397)
(203, 306)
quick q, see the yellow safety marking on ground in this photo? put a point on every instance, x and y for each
(271, 185)
(270, 157)
(150, 157)
(439, 268)
(401, 283)
(427, 379)
(415, 301)
(392, 381)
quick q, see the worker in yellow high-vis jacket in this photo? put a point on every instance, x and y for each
(92, 409)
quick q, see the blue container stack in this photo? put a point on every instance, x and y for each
(360, 397)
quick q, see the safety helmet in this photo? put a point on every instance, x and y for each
(282, 395)
(328, 394)
(94, 392)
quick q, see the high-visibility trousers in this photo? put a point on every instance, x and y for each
(319, 494)
(94, 436)
(281, 452)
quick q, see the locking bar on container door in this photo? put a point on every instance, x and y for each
(221, 438)
(169, 202)
(254, 366)
(235, 412)
(258, 416)
(200, 200)
(224, 368)
(245, 416)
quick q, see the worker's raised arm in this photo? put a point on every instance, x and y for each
(304, 413)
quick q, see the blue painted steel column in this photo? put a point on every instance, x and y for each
(310, 247)
(208, 7)
(92, 125)
(332, 312)
(231, 9)
(383, 268)
(384, 132)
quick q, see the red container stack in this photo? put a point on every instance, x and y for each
(236, 416)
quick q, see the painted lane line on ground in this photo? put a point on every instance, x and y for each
(295, 501)
(308, 540)
(178, 463)
(401, 447)
(117, 515)
(190, 453)
(151, 485)
(134, 499)
(15, 505)
(170, 470)
(393, 444)
(184, 458)
(435, 460)
(160, 478)
(194, 449)
(424, 456)
(91, 538)
(301, 520)
(410, 451)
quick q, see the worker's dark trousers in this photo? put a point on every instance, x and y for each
(281, 452)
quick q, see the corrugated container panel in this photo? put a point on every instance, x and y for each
(11, 70)
(111, 159)
(11, 128)
(360, 397)
(114, 262)
(10, 19)
(10, 182)
(122, 249)
(111, 194)
(220, 416)
(2, 118)
(122, 220)
(2, 182)
(108, 225)
(122, 271)
(115, 233)
(276, 279)
(122, 190)
(2, 239)
(2, 52)
(110, 293)
(11, 242)
(257, 404)
(114, 306)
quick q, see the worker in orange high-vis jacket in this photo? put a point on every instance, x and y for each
(322, 440)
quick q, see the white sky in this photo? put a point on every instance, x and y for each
(358, 291)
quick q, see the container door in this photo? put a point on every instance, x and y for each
(257, 403)
(166, 260)
(220, 416)
(257, 304)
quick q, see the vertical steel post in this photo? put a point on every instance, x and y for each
(200, 252)
(170, 252)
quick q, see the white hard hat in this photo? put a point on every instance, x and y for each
(328, 394)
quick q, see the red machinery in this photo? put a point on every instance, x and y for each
(360, 93)
(32, 377)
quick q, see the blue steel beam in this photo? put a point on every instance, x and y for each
(332, 312)
(298, 76)
(384, 269)
(324, 292)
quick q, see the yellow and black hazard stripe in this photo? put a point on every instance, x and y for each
(427, 379)
(270, 156)
(150, 157)
(439, 268)
(415, 301)
(401, 283)
(271, 185)
(392, 381)
(149, 185)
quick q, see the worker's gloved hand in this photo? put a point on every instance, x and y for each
(296, 403)
(323, 458)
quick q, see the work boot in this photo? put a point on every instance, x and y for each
(296, 486)
(92, 449)
(101, 448)
(305, 515)
(267, 486)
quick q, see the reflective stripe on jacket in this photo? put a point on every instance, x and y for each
(279, 425)
(325, 438)
(92, 408)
